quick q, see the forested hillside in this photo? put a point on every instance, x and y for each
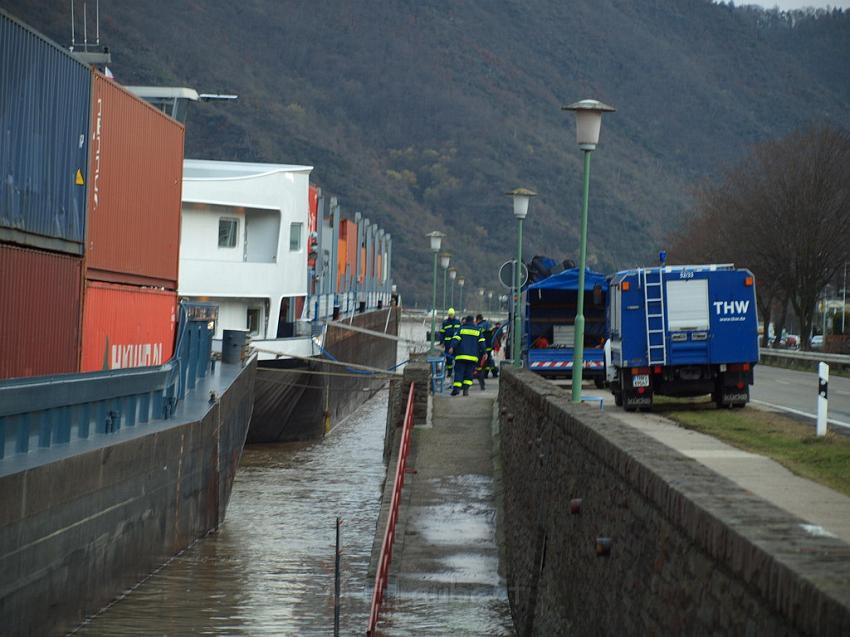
(422, 113)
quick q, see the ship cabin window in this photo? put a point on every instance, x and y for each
(295, 236)
(253, 320)
(227, 229)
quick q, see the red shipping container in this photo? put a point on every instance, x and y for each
(313, 207)
(126, 326)
(135, 186)
(40, 309)
(346, 252)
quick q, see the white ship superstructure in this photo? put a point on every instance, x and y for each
(243, 246)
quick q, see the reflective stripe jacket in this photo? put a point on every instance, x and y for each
(448, 329)
(486, 330)
(468, 343)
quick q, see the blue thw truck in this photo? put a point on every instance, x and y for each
(682, 331)
(550, 312)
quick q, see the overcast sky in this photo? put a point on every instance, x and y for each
(796, 4)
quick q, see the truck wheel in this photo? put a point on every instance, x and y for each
(618, 399)
(599, 382)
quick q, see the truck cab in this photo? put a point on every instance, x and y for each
(682, 331)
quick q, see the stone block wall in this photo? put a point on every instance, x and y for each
(690, 551)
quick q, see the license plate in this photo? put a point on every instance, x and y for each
(641, 380)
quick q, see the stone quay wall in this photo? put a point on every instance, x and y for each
(608, 531)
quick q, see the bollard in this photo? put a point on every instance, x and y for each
(823, 384)
(232, 344)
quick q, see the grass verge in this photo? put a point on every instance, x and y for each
(790, 442)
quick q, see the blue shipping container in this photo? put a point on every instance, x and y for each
(44, 130)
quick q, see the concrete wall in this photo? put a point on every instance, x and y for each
(691, 553)
(419, 372)
(77, 532)
(416, 371)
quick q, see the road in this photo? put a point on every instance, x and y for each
(796, 392)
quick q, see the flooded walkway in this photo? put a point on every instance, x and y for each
(444, 578)
(270, 568)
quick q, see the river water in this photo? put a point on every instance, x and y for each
(269, 570)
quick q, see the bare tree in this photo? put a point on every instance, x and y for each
(784, 212)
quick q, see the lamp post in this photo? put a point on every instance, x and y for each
(489, 302)
(588, 122)
(445, 258)
(460, 282)
(436, 239)
(452, 276)
(844, 298)
(521, 197)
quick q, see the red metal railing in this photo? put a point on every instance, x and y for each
(383, 569)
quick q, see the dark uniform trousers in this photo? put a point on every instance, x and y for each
(468, 346)
(463, 372)
(447, 331)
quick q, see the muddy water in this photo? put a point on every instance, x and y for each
(270, 568)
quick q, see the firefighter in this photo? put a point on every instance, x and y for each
(448, 329)
(487, 366)
(467, 348)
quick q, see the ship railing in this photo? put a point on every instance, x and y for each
(44, 411)
(383, 569)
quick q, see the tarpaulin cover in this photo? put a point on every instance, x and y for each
(568, 280)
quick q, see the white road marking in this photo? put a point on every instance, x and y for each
(800, 413)
(782, 382)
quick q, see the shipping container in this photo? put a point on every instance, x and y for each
(40, 310)
(44, 128)
(127, 326)
(342, 254)
(136, 178)
(313, 207)
(351, 252)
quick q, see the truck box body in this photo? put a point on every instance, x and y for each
(550, 311)
(44, 129)
(689, 330)
(136, 178)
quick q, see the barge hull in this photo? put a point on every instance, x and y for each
(290, 406)
(78, 531)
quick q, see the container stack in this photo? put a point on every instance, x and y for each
(133, 231)
(45, 97)
(90, 184)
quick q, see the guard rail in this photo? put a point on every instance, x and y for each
(382, 572)
(42, 411)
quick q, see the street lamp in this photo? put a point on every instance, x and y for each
(436, 239)
(521, 197)
(588, 123)
(460, 282)
(445, 258)
(452, 276)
